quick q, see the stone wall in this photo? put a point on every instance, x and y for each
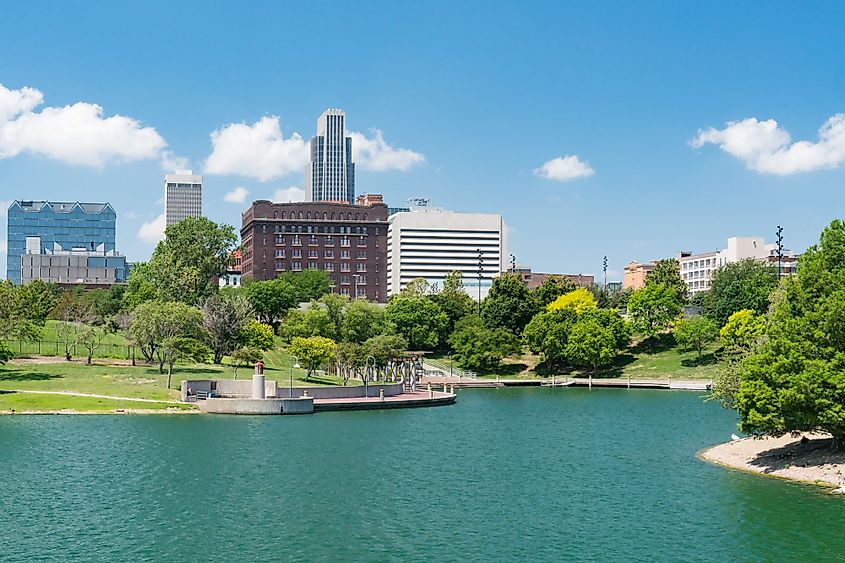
(259, 406)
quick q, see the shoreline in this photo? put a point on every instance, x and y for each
(804, 459)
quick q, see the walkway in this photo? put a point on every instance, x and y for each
(93, 395)
(409, 399)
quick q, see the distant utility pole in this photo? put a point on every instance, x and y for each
(780, 249)
(480, 269)
(604, 268)
(513, 263)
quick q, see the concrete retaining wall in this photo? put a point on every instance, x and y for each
(259, 406)
(390, 390)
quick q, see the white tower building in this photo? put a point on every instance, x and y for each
(182, 196)
(330, 175)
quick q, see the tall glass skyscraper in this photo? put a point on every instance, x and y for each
(38, 228)
(330, 175)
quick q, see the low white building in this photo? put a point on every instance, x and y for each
(429, 243)
(697, 269)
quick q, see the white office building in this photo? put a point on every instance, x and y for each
(429, 243)
(330, 175)
(182, 196)
(697, 269)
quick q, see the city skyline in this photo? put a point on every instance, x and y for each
(586, 151)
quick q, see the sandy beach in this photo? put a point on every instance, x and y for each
(807, 460)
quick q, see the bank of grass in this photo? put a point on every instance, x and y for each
(105, 377)
(43, 402)
(657, 358)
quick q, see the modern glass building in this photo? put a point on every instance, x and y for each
(38, 229)
(330, 175)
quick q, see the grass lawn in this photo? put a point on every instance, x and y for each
(656, 359)
(41, 402)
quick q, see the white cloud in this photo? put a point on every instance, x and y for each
(75, 134)
(171, 162)
(767, 148)
(153, 231)
(261, 151)
(238, 195)
(564, 168)
(375, 154)
(291, 194)
(256, 151)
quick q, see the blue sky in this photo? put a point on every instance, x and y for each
(635, 99)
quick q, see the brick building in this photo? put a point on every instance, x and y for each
(347, 241)
(533, 280)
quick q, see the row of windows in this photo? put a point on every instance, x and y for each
(318, 229)
(693, 264)
(328, 241)
(313, 253)
(325, 216)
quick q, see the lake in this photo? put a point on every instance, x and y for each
(505, 474)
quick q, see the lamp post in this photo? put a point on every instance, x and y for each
(294, 363)
(513, 263)
(367, 374)
(604, 268)
(780, 249)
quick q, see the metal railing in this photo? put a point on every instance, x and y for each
(57, 348)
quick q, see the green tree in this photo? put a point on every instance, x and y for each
(590, 344)
(548, 333)
(155, 323)
(385, 348)
(579, 300)
(418, 319)
(308, 284)
(696, 332)
(453, 301)
(481, 348)
(256, 335)
(795, 380)
(509, 304)
(313, 322)
(23, 311)
(91, 337)
(667, 272)
(746, 284)
(272, 299)
(224, 316)
(743, 331)
(312, 352)
(181, 348)
(552, 288)
(140, 286)
(73, 312)
(184, 266)
(362, 320)
(612, 321)
(244, 357)
(653, 308)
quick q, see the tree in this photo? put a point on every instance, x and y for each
(552, 288)
(743, 331)
(696, 332)
(363, 320)
(453, 301)
(257, 335)
(418, 287)
(244, 357)
(385, 348)
(179, 348)
(224, 316)
(579, 300)
(185, 264)
(312, 351)
(508, 304)
(480, 348)
(308, 284)
(272, 299)
(667, 272)
(22, 312)
(418, 319)
(140, 286)
(795, 380)
(91, 338)
(313, 322)
(611, 320)
(155, 323)
(350, 357)
(653, 308)
(548, 333)
(590, 344)
(36, 300)
(73, 312)
(746, 284)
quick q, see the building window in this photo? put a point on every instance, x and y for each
(344, 266)
(296, 253)
(328, 266)
(361, 267)
(328, 254)
(312, 254)
(280, 253)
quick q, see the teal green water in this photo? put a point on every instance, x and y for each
(521, 474)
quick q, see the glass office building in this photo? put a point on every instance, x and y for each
(55, 228)
(330, 175)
